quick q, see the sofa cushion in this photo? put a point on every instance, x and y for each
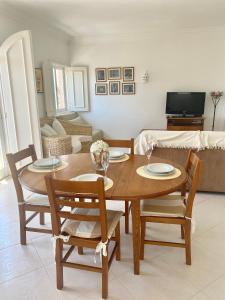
(76, 143)
(78, 120)
(48, 131)
(68, 116)
(57, 126)
(97, 134)
(86, 229)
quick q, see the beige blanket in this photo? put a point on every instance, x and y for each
(168, 139)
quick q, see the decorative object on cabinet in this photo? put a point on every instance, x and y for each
(216, 96)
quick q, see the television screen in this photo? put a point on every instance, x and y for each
(185, 103)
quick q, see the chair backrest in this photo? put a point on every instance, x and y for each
(60, 193)
(13, 160)
(193, 172)
(122, 144)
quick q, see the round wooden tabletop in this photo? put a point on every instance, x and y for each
(127, 184)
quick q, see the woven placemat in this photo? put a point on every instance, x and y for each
(107, 186)
(144, 173)
(126, 157)
(33, 169)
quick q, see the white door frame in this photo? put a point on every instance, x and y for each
(4, 170)
(19, 93)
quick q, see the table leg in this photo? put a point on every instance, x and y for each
(135, 210)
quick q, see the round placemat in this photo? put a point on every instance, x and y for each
(107, 186)
(142, 172)
(33, 169)
(126, 157)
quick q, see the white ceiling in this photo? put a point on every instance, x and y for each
(104, 17)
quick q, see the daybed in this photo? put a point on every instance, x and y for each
(174, 145)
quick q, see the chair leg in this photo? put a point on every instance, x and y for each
(105, 270)
(182, 231)
(59, 267)
(117, 236)
(143, 230)
(126, 217)
(80, 250)
(23, 236)
(42, 218)
(187, 234)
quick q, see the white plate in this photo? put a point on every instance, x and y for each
(159, 168)
(115, 154)
(87, 177)
(46, 162)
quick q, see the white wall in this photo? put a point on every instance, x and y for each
(48, 44)
(178, 61)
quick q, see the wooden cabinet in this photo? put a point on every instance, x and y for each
(182, 123)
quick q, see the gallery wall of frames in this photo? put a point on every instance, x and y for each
(115, 81)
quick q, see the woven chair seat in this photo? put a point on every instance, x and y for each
(37, 199)
(170, 206)
(85, 229)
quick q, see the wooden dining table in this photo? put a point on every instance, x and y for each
(127, 185)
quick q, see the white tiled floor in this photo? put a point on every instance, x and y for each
(28, 272)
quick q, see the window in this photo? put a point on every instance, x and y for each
(59, 88)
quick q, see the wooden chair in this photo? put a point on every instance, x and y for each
(88, 225)
(173, 209)
(36, 203)
(130, 145)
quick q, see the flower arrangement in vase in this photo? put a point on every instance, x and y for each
(216, 96)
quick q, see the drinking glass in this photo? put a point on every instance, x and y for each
(52, 157)
(105, 161)
(149, 149)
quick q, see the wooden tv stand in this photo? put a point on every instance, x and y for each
(185, 123)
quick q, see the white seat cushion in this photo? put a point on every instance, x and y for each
(48, 131)
(57, 126)
(37, 199)
(76, 143)
(167, 206)
(86, 229)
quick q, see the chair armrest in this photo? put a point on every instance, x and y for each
(76, 129)
(59, 145)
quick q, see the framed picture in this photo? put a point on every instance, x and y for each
(39, 80)
(114, 87)
(101, 74)
(114, 73)
(128, 74)
(128, 88)
(101, 89)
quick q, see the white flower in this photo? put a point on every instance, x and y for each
(99, 146)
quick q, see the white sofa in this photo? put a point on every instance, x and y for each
(75, 130)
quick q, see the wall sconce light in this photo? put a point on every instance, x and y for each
(145, 77)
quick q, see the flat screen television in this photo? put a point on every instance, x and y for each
(185, 104)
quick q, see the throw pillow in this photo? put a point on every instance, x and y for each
(57, 126)
(48, 131)
(79, 120)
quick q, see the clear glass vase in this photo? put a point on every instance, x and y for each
(96, 157)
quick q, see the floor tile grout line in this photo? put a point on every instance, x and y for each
(21, 275)
(213, 281)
